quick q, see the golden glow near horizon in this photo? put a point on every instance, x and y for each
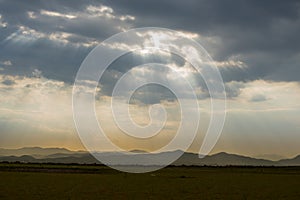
(37, 112)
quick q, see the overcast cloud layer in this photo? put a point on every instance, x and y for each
(55, 36)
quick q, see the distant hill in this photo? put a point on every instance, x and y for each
(18, 158)
(273, 157)
(221, 159)
(36, 152)
(61, 155)
(33, 151)
(293, 161)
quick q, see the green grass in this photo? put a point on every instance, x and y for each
(99, 182)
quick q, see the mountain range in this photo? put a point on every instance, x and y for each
(62, 155)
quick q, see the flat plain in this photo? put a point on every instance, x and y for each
(51, 181)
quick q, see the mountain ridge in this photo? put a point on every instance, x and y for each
(37, 152)
(62, 155)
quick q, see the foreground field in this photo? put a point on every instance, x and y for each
(36, 181)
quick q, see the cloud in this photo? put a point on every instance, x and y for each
(258, 98)
(266, 40)
(55, 39)
(233, 89)
(37, 73)
(3, 24)
(229, 64)
(36, 111)
(8, 82)
(6, 63)
(271, 95)
(245, 46)
(52, 14)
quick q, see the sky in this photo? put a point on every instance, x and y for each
(254, 44)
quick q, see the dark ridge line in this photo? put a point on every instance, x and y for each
(168, 166)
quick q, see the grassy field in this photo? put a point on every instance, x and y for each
(42, 181)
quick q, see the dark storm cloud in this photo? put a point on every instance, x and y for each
(56, 45)
(54, 62)
(151, 94)
(264, 34)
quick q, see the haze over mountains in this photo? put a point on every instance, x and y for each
(34, 151)
(61, 155)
